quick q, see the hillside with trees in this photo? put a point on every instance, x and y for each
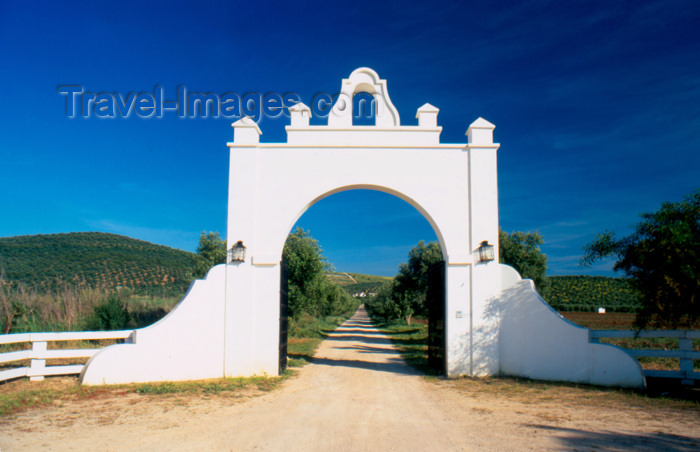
(94, 259)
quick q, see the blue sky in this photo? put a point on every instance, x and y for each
(596, 107)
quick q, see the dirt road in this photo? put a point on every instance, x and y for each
(358, 395)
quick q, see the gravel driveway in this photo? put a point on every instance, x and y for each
(358, 395)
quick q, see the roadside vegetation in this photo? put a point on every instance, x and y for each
(405, 296)
(411, 341)
(68, 307)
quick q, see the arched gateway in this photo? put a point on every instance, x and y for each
(228, 323)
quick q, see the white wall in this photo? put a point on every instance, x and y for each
(187, 344)
(536, 342)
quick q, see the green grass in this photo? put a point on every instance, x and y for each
(362, 278)
(28, 398)
(301, 350)
(341, 279)
(209, 386)
(311, 327)
(411, 341)
(306, 334)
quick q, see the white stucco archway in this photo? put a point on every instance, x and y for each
(228, 324)
(453, 185)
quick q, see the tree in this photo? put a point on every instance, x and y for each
(310, 290)
(411, 283)
(306, 272)
(405, 296)
(378, 305)
(661, 256)
(302, 254)
(521, 250)
(210, 252)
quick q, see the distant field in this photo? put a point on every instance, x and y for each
(347, 279)
(361, 278)
(358, 282)
(588, 293)
(342, 279)
(607, 321)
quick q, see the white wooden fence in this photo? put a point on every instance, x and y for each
(39, 352)
(685, 351)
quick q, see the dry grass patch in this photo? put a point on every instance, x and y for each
(529, 392)
(21, 395)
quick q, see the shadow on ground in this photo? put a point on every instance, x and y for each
(574, 439)
(672, 388)
(394, 365)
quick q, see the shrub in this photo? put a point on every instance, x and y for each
(111, 315)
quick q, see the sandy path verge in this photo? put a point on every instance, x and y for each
(357, 395)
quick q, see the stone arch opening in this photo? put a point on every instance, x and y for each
(371, 187)
(430, 311)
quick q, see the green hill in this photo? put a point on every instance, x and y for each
(94, 259)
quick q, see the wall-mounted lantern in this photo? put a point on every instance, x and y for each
(237, 252)
(486, 252)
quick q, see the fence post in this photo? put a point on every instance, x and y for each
(36, 371)
(685, 344)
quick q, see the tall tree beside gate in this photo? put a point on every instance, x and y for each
(521, 250)
(405, 296)
(310, 290)
(211, 251)
(661, 256)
